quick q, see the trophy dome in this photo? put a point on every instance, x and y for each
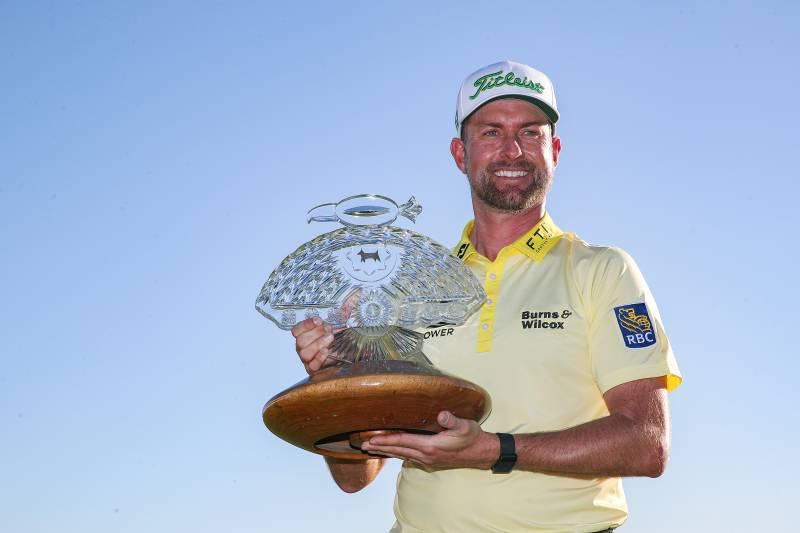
(369, 274)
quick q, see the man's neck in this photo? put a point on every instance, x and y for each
(493, 230)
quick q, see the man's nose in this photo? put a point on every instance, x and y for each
(512, 148)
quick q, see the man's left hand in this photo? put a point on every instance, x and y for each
(462, 444)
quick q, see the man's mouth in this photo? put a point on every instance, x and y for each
(510, 173)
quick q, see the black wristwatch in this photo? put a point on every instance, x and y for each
(508, 454)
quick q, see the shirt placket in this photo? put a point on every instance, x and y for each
(488, 315)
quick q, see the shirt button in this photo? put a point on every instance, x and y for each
(485, 325)
(492, 276)
(489, 301)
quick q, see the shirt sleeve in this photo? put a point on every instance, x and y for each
(627, 340)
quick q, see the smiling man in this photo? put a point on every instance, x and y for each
(569, 344)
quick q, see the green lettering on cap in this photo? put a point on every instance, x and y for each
(496, 79)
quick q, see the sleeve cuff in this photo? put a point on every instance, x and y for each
(625, 375)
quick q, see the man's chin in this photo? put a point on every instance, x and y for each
(508, 205)
(508, 197)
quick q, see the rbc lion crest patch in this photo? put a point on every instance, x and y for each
(635, 325)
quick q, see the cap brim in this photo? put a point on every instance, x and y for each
(551, 113)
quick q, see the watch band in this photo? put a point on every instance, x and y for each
(508, 454)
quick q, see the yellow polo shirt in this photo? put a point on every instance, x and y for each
(564, 322)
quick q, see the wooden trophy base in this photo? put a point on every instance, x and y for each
(339, 407)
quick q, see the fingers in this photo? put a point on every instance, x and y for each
(306, 325)
(398, 452)
(399, 440)
(318, 358)
(312, 341)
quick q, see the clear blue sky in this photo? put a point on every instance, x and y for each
(156, 163)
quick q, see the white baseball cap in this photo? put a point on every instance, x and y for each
(506, 79)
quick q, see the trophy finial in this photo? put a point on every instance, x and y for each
(364, 210)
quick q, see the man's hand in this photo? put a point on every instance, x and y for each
(462, 444)
(313, 337)
(633, 440)
(312, 341)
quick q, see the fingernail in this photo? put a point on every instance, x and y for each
(317, 321)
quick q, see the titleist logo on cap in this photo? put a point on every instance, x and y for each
(497, 79)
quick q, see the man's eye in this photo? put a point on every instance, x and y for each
(531, 133)
(490, 133)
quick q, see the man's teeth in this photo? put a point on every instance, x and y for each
(511, 173)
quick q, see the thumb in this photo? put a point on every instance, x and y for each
(448, 420)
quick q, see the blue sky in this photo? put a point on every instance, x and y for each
(156, 163)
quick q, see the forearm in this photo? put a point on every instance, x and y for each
(354, 475)
(608, 447)
(633, 440)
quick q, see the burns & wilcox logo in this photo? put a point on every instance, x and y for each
(497, 79)
(635, 325)
(545, 319)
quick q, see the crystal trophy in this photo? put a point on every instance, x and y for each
(376, 285)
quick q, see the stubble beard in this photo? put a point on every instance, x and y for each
(512, 199)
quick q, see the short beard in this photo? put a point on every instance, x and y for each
(513, 200)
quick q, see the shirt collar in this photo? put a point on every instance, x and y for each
(535, 243)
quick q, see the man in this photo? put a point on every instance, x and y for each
(569, 345)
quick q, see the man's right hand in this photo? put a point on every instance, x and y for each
(312, 341)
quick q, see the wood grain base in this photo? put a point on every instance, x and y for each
(335, 410)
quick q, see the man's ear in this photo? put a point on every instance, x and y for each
(556, 150)
(459, 153)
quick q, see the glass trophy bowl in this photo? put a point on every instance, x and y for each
(376, 285)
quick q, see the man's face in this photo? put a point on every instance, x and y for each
(508, 154)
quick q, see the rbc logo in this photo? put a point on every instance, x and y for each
(634, 323)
